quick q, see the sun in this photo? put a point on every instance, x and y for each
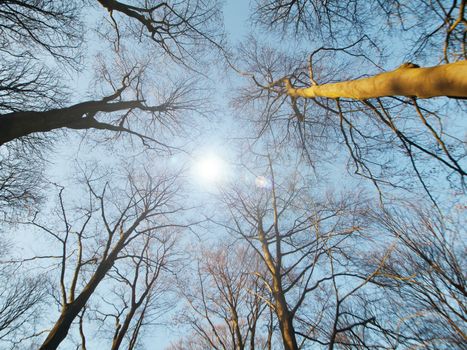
(209, 168)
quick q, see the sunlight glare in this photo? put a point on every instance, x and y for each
(210, 168)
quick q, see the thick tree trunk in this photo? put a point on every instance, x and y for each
(79, 116)
(407, 80)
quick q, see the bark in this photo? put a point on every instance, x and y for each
(407, 80)
(237, 331)
(285, 320)
(131, 11)
(117, 342)
(79, 116)
(282, 310)
(71, 310)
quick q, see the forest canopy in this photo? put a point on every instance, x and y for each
(222, 175)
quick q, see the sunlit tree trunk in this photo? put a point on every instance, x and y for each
(407, 80)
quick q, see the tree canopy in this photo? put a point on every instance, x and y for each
(298, 187)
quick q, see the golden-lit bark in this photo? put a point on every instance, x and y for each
(407, 80)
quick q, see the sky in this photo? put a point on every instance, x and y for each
(236, 18)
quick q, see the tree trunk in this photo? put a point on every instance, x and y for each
(407, 80)
(283, 313)
(117, 342)
(285, 322)
(79, 116)
(71, 310)
(236, 327)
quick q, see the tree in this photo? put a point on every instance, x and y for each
(82, 116)
(55, 29)
(22, 299)
(40, 36)
(19, 183)
(42, 39)
(409, 79)
(139, 289)
(98, 234)
(177, 28)
(389, 138)
(424, 277)
(31, 30)
(379, 85)
(308, 250)
(333, 21)
(225, 301)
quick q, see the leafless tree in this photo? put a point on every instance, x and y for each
(424, 275)
(30, 26)
(85, 115)
(22, 299)
(98, 233)
(30, 31)
(377, 118)
(388, 138)
(308, 249)
(430, 25)
(19, 183)
(52, 28)
(225, 307)
(178, 28)
(138, 292)
(41, 39)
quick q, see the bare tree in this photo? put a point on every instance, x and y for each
(22, 298)
(138, 291)
(43, 25)
(21, 302)
(178, 28)
(377, 118)
(408, 80)
(52, 28)
(19, 183)
(308, 250)
(431, 25)
(97, 234)
(389, 141)
(41, 40)
(31, 31)
(225, 301)
(84, 115)
(424, 276)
